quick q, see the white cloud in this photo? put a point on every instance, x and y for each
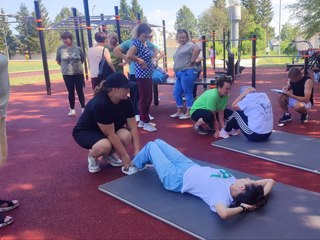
(156, 17)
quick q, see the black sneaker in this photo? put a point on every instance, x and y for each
(285, 118)
(304, 118)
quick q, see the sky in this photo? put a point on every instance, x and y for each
(155, 11)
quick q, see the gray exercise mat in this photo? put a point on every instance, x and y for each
(284, 148)
(291, 213)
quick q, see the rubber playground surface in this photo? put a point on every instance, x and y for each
(59, 199)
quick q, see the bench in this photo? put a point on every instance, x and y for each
(171, 81)
(296, 65)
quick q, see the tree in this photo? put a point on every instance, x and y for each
(185, 19)
(124, 10)
(135, 9)
(27, 31)
(252, 7)
(219, 3)
(307, 12)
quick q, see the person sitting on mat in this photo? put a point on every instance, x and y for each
(107, 124)
(298, 94)
(226, 195)
(208, 110)
(252, 115)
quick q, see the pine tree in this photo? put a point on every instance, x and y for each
(124, 10)
(135, 9)
(252, 7)
(185, 19)
(219, 3)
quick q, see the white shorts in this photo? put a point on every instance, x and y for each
(293, 101)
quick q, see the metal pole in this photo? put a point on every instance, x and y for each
(204, 55)
(279, 28)
(87, 14)
(43, 47)
(76, 25)
(116, 11)
(224, 48)
(103, 26)
(165, 64)
(214, 48)
(84, 52)
(254, 52)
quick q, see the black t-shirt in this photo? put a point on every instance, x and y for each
(101, 110)
(298, 88)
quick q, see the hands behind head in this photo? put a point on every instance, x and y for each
(248, 207)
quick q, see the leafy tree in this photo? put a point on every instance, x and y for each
(185, 19)
(124, 10)
(288, 33)
(27, 31)
(307, 12)
(252, 7)
(219, 3)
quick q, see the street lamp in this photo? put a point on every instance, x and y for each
(279, 28)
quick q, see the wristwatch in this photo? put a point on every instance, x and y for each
(244, 209)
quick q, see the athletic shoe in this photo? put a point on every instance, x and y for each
(131, 170)
(93, 165)
(82, 110)
(233, 132)
(151, 117)
(200, 130)
(223, 133)
(72, 112)
(137, 118)
(176, 115)
(304, 118)
(184, 116)
(113, 160)
(141, 124)
(149, 127)
(285, 118)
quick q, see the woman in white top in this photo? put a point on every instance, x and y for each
(252, 115)
(225, 195)
(95, 55)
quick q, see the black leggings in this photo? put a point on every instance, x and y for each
(75, 82)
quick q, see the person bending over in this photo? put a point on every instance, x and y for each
(252, 114)
(208, 110)
(107, 124)
(298, 94)
(225, 195)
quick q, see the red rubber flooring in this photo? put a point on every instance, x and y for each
(47, 172)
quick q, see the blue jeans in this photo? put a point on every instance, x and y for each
(184, 84)
(169, 163)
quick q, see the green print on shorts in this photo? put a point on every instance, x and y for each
(222, 174)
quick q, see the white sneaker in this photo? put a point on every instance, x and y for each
(131, 170)
(140, 124)
(137, 118)
(93, 165)
(113, 160)
(72, 112)
(233, 132)
(149, 127)
(82, 110)
(223, 133)
(151, 117)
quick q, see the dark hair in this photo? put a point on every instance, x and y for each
(102, 88)
(294, 72)
(253, 195)
(222, 79)
(143, 28)
(100, 37)
(65, 35)
(179, 31)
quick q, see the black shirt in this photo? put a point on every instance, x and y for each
(101, 110)
(298, 88)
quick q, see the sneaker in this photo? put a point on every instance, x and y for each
(176, 115)
(93, 165)
(72, 112)
(151, 117)
(140, 124)
(82, 110)
(223, 133)
(149, 127)
(184, 116)
(285, 118)
(130, 171)
(137, 118)
(233, 132)
(304, 118)
(200, 130)
(113, 160)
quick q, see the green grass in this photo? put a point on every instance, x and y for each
(33, 79)
(22, 66)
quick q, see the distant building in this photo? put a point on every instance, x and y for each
(314, 40)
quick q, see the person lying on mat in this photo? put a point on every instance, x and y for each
(252, 115)
(107, 124)
(216, 187)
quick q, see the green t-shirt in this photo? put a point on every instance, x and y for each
(116, 61)
(210, 100)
